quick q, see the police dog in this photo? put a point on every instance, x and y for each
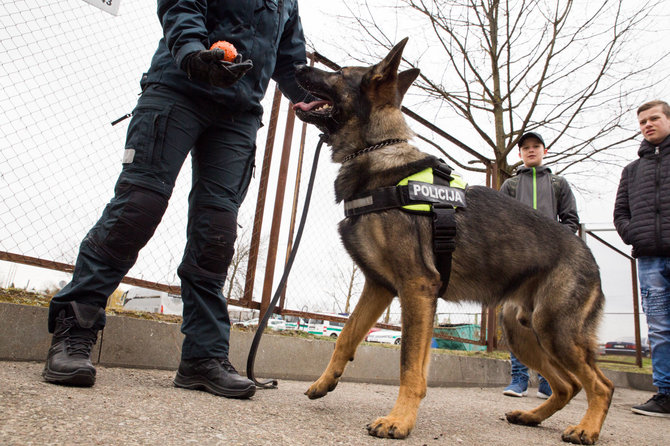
(544, 277)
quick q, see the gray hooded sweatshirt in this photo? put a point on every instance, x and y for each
(545, 192)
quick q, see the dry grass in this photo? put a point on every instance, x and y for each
(23, 297)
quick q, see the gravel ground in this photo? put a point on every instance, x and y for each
(141, 407)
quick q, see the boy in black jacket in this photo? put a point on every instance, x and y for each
(642, 219)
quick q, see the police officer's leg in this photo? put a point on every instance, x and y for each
(223, 160)
(160, 135)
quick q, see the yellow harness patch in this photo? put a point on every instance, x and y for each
(426, 176)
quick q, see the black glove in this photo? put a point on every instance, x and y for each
(208, 66)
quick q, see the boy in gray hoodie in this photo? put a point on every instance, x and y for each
(550, 195)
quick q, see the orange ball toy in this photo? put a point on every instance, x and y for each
(228, 49)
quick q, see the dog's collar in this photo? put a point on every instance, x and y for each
(386, 142)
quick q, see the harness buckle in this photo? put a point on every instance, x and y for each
(443, 171)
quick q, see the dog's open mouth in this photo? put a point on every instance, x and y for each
(321, 108)
(319, 113)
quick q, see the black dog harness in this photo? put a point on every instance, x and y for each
(435, 190)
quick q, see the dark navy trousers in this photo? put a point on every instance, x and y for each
(165, 127)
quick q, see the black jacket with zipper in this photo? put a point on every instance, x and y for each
(642, 206)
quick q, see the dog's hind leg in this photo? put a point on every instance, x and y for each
(523, 342)
(418, 303)
(599, 390)
(563, 351)
(372, 303)
(578, 352)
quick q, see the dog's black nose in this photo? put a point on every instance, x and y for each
(300, 68)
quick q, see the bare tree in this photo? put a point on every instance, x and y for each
(234, 286)
(570, 70)
(348, 282)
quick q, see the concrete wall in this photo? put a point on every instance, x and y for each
(137, 343)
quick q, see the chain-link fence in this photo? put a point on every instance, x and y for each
(68, 70)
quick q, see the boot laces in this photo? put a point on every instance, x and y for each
(78, 341)
(228, 366)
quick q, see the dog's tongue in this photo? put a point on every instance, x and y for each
(309, 106)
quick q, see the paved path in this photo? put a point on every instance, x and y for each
(141, 407)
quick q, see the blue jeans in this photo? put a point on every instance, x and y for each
(654, 275)
(519, 370)
(165, 128)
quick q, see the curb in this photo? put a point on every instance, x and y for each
(137, 343)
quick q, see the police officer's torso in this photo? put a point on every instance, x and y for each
(254, 27)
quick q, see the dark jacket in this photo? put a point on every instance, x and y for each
(554, 197)
(642, 206)
(268, 32)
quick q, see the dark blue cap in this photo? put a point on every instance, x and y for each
(531, 135)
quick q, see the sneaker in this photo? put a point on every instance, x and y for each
(517, 388)
(657, 406)
(213, 375)
(543, 389)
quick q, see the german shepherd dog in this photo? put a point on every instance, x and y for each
(544, 277)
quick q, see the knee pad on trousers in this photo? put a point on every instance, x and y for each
(137, 212)
(211, 242)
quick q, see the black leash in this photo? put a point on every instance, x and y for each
(272, 384)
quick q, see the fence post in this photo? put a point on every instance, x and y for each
(277, 213)
(491, 329)
(247, 297)
(582, 232)
(296, 194)
(636, 314)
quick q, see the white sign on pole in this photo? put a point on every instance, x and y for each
(110, 6)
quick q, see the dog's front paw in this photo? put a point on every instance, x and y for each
(522, 417)
(387, 427)
(577, 435)
(320, 388)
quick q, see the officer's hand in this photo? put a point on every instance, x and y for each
(208, 66)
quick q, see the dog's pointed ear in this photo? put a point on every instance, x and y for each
(388, 67)
(405, 80)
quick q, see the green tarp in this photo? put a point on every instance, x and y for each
(465, 331)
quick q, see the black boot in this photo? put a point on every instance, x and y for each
(213, 375)
(75, 332)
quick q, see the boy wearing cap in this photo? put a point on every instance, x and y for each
(549, 194)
